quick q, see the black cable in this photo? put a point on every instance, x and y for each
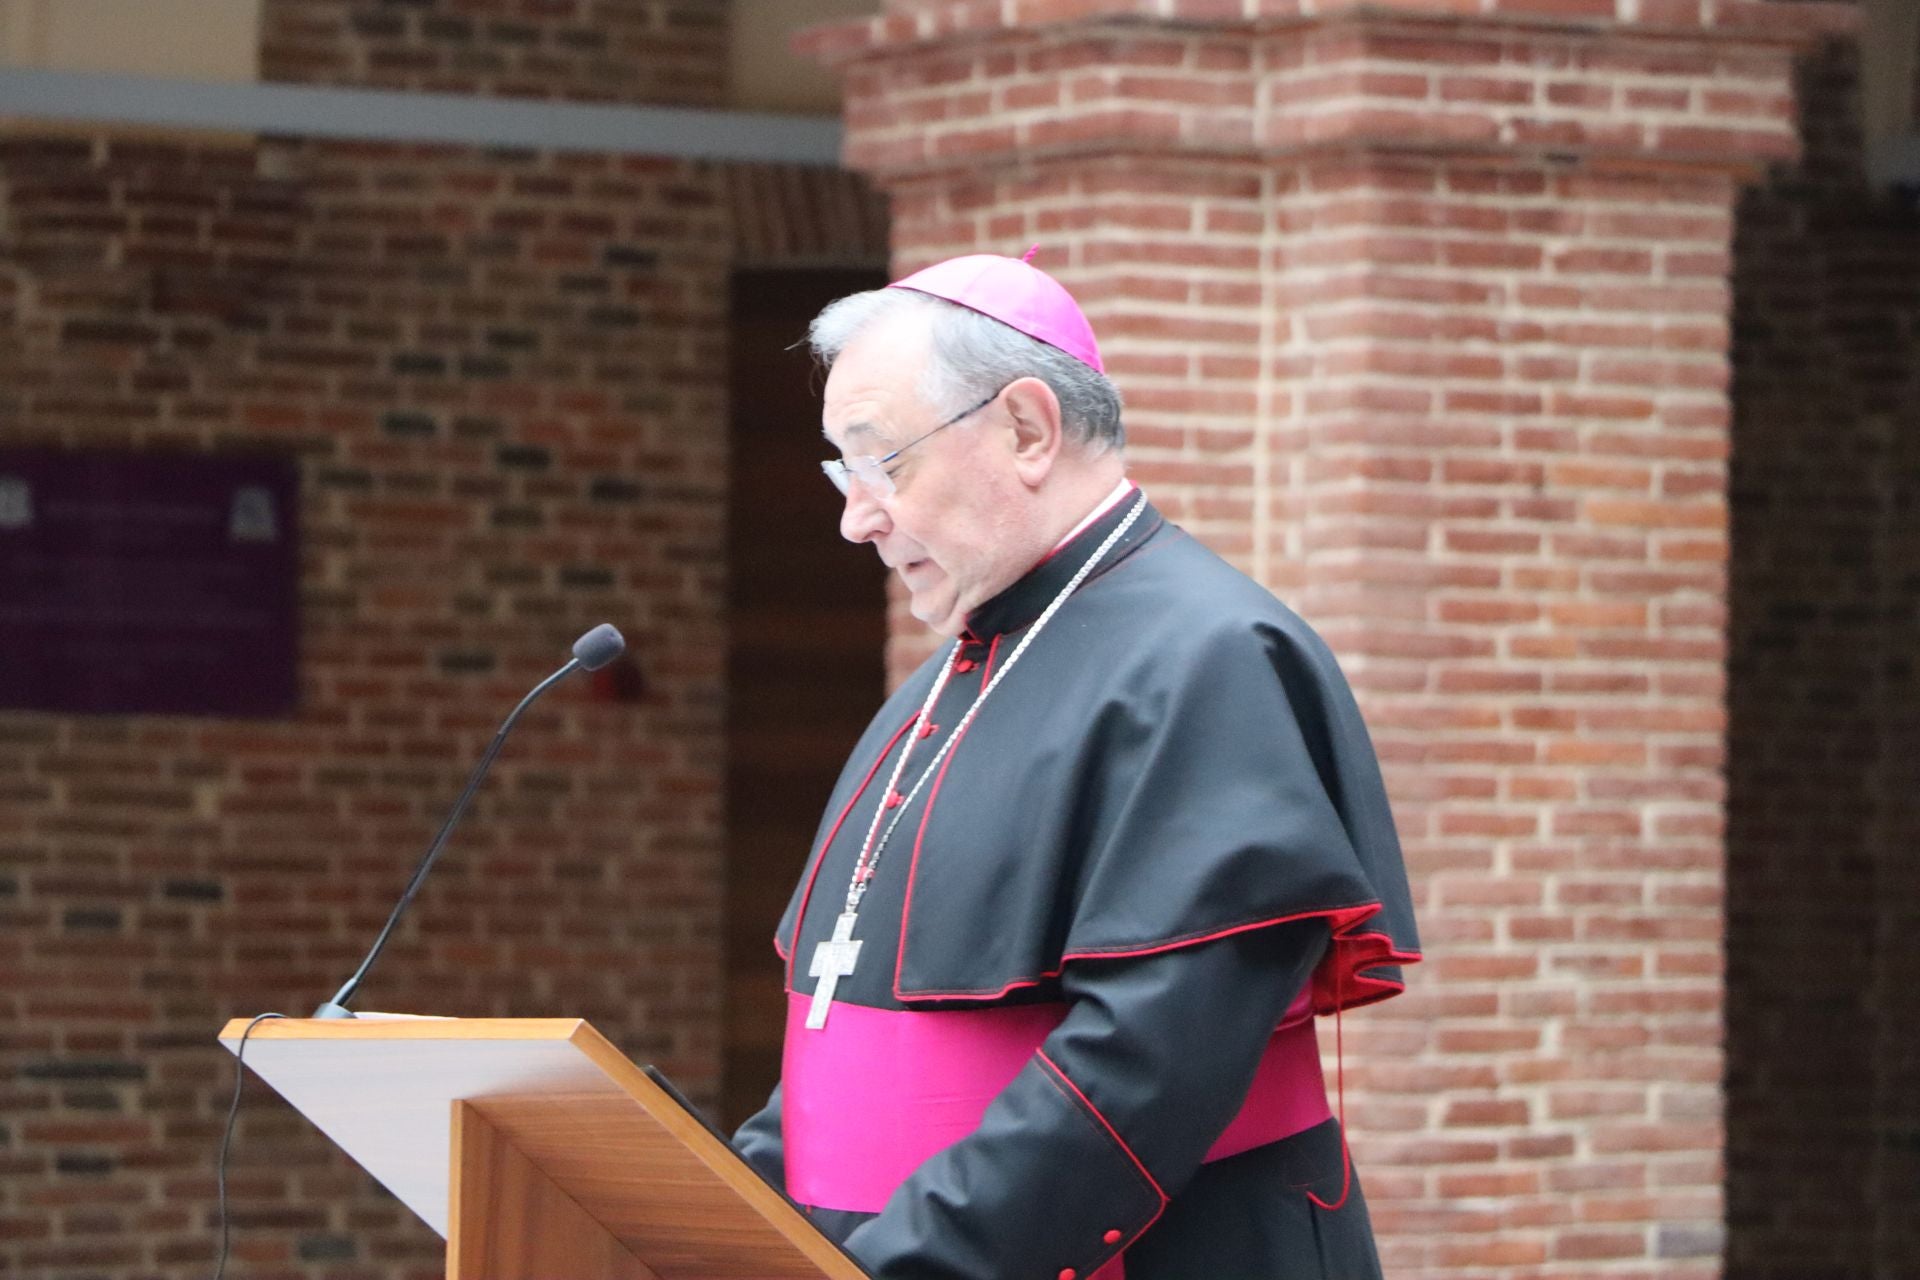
(226, 1139)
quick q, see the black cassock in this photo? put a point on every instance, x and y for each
(1163, 836)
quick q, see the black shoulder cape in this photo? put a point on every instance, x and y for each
(1175, 758)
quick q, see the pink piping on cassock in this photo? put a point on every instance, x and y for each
(799, 918)
(869, 1097)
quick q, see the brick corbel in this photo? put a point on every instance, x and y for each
(1613, 85)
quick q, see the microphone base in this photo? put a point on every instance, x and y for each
(332, 1010)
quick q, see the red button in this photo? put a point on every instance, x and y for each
(1112, 1237)
(894, 799)
(929, 729)
(1068, 1273)
(965, 665)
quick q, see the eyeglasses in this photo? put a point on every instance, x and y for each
(872, 473)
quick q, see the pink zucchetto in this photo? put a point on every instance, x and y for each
(1014, 293)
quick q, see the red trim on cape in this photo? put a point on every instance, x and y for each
(926, 815)
(820, 855)
(1338, 980)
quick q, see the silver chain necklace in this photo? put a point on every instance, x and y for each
(835, 958)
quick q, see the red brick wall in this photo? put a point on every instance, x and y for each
(502, 373)
(671, 52)
(1513, 533)
(499, 375)
(1400, 334)
(1824, 1067)
(1426, 324)
(1518, 554)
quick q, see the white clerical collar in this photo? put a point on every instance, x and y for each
(1107, 504)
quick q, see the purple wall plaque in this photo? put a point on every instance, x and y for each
(135, 583)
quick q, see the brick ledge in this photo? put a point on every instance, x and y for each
(1793, 23)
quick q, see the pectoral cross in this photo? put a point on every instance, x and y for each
(832, 961)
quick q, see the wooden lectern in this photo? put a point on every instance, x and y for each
(538, 1150)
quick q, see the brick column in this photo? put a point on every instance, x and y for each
(1422, 319)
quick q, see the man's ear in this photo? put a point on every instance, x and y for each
(1036, 431)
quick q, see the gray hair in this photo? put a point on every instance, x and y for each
(975, 355)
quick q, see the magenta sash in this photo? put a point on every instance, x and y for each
(866, 1099)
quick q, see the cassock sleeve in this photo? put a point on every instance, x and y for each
(759, 1141)
(1108, 1121)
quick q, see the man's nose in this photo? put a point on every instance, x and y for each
(862, 518)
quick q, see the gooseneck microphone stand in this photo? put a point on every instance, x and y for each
(591, 651)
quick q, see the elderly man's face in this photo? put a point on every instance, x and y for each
(950, 527)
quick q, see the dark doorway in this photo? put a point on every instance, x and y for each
(1823, 739)
(806, 614)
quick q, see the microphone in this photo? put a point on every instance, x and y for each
(595, 649)
(591, 652)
